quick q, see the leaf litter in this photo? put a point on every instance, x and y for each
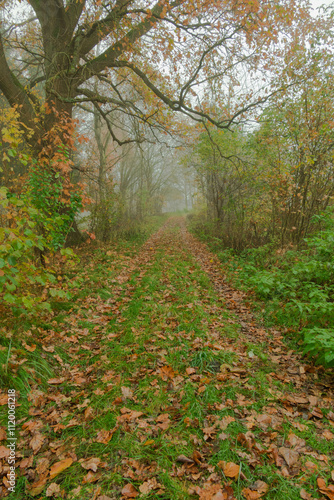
(154, 393)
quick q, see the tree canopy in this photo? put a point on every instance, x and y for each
(142, 58)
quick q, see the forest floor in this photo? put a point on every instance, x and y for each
(156, 381)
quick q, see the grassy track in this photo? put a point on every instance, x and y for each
(151, 386)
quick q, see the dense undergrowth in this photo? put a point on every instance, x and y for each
(294, 287)
(72, 283)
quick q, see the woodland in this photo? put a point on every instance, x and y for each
(166, 249)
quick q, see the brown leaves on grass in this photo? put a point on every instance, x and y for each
(37, 487)
(290, 456)
(255, 491)
(166, 372)
(325, 490)
(4, 452)
(229, 469)
(59, 467)
(129, 491)
(90, 463)
(53, 490)
(214, 492)
(104, 436)
(37, 441)
(263, 440)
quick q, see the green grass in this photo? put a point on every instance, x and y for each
(165, 321)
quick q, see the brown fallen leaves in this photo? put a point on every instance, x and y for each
(214, 492)
(104, 436)
(59, 467)
(229, 469)
(44, 476)
(255, 491)
(263, 439)
(129, 491)
(328, 491)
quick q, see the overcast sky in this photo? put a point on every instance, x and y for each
(317, 3)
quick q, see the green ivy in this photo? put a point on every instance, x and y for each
(54, 217)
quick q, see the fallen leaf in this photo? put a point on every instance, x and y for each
(37, 487)
(325, 490)
(167, 372)
(37, 441)
(184, 460)
(42, 465)
(127, 392)
(3, 399)
(255, 491)
(290, 456)
(190, 371)
(304, 495)
(58, 467)
(30, 348)
(129, 491)
(88, 413)
(28, 462)
(74, 493)
(56, 381)
(90, 463)
(225, 421)
(105, 436)
(91, 477)
(48, 349)
(328, 435)
(53, 490)
(230, 469)
(4, 452)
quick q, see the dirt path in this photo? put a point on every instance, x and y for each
(168, 389)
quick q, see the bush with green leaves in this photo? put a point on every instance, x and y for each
(56, 205)
(22, 278)
(19, 241)
(297, 287)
